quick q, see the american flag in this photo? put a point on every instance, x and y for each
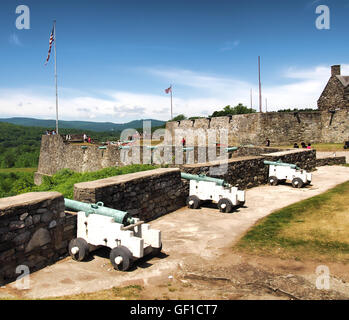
(168, 89)
(51, 41)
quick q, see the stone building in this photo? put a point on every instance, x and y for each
(336, 93)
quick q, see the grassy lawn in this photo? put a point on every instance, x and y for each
(8, 170)
(16, 181)
(322, 146)
(313, 229)
(63, 181)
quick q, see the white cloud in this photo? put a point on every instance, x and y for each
(201, 95)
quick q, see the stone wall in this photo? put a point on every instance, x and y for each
(282, 128)
(335, 126)
(55, 154)
(240, 129)
(146, 195)
(330, 161)
(34, 231)
(246, 172)
(250, 171)
(303, 158)
(333, 96)
(254, 151)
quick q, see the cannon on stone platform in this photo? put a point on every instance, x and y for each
(128, 238)
(287, 172)
(203, 188)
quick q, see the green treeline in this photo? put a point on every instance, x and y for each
(13, 183)
(20, 145)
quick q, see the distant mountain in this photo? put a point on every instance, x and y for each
(83, 125)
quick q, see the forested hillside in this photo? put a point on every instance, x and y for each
(82, 125)
(20, 146)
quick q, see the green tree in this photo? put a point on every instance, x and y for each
(228, 110)
(179, 117)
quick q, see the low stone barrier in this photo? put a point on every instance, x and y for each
(34, 232)
(303, 158)
(246, 172)
(250, 171)
(255, 150)
(330, 161)
(147, 195)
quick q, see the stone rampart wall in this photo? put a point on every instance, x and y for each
(34, 232)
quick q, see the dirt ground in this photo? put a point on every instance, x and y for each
(198, 262)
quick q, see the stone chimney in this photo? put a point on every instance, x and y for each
(336, 70)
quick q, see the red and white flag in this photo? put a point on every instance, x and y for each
(51, 41)
(168, 89)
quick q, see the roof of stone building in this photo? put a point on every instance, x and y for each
(344, 80)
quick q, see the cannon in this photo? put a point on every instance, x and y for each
(203, 188)
(230, 149)
(128, 238)
(287, 172)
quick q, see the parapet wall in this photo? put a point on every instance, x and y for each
(250, 171)
(55, 154)
(34, 232)
(330, 161)
(282, 128)
(147, 195)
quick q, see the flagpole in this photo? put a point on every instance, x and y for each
(171, 103)
(54, 26)
(260, 87)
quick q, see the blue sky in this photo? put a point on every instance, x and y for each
(115, 58)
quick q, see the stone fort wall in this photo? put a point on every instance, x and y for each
(248, 129)
(280, 127)
(34, 232)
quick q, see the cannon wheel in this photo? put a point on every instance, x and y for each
(297, 183)
(195, 204)
(273, 181)
(82, 246)
(123, 254)
(228, 205)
